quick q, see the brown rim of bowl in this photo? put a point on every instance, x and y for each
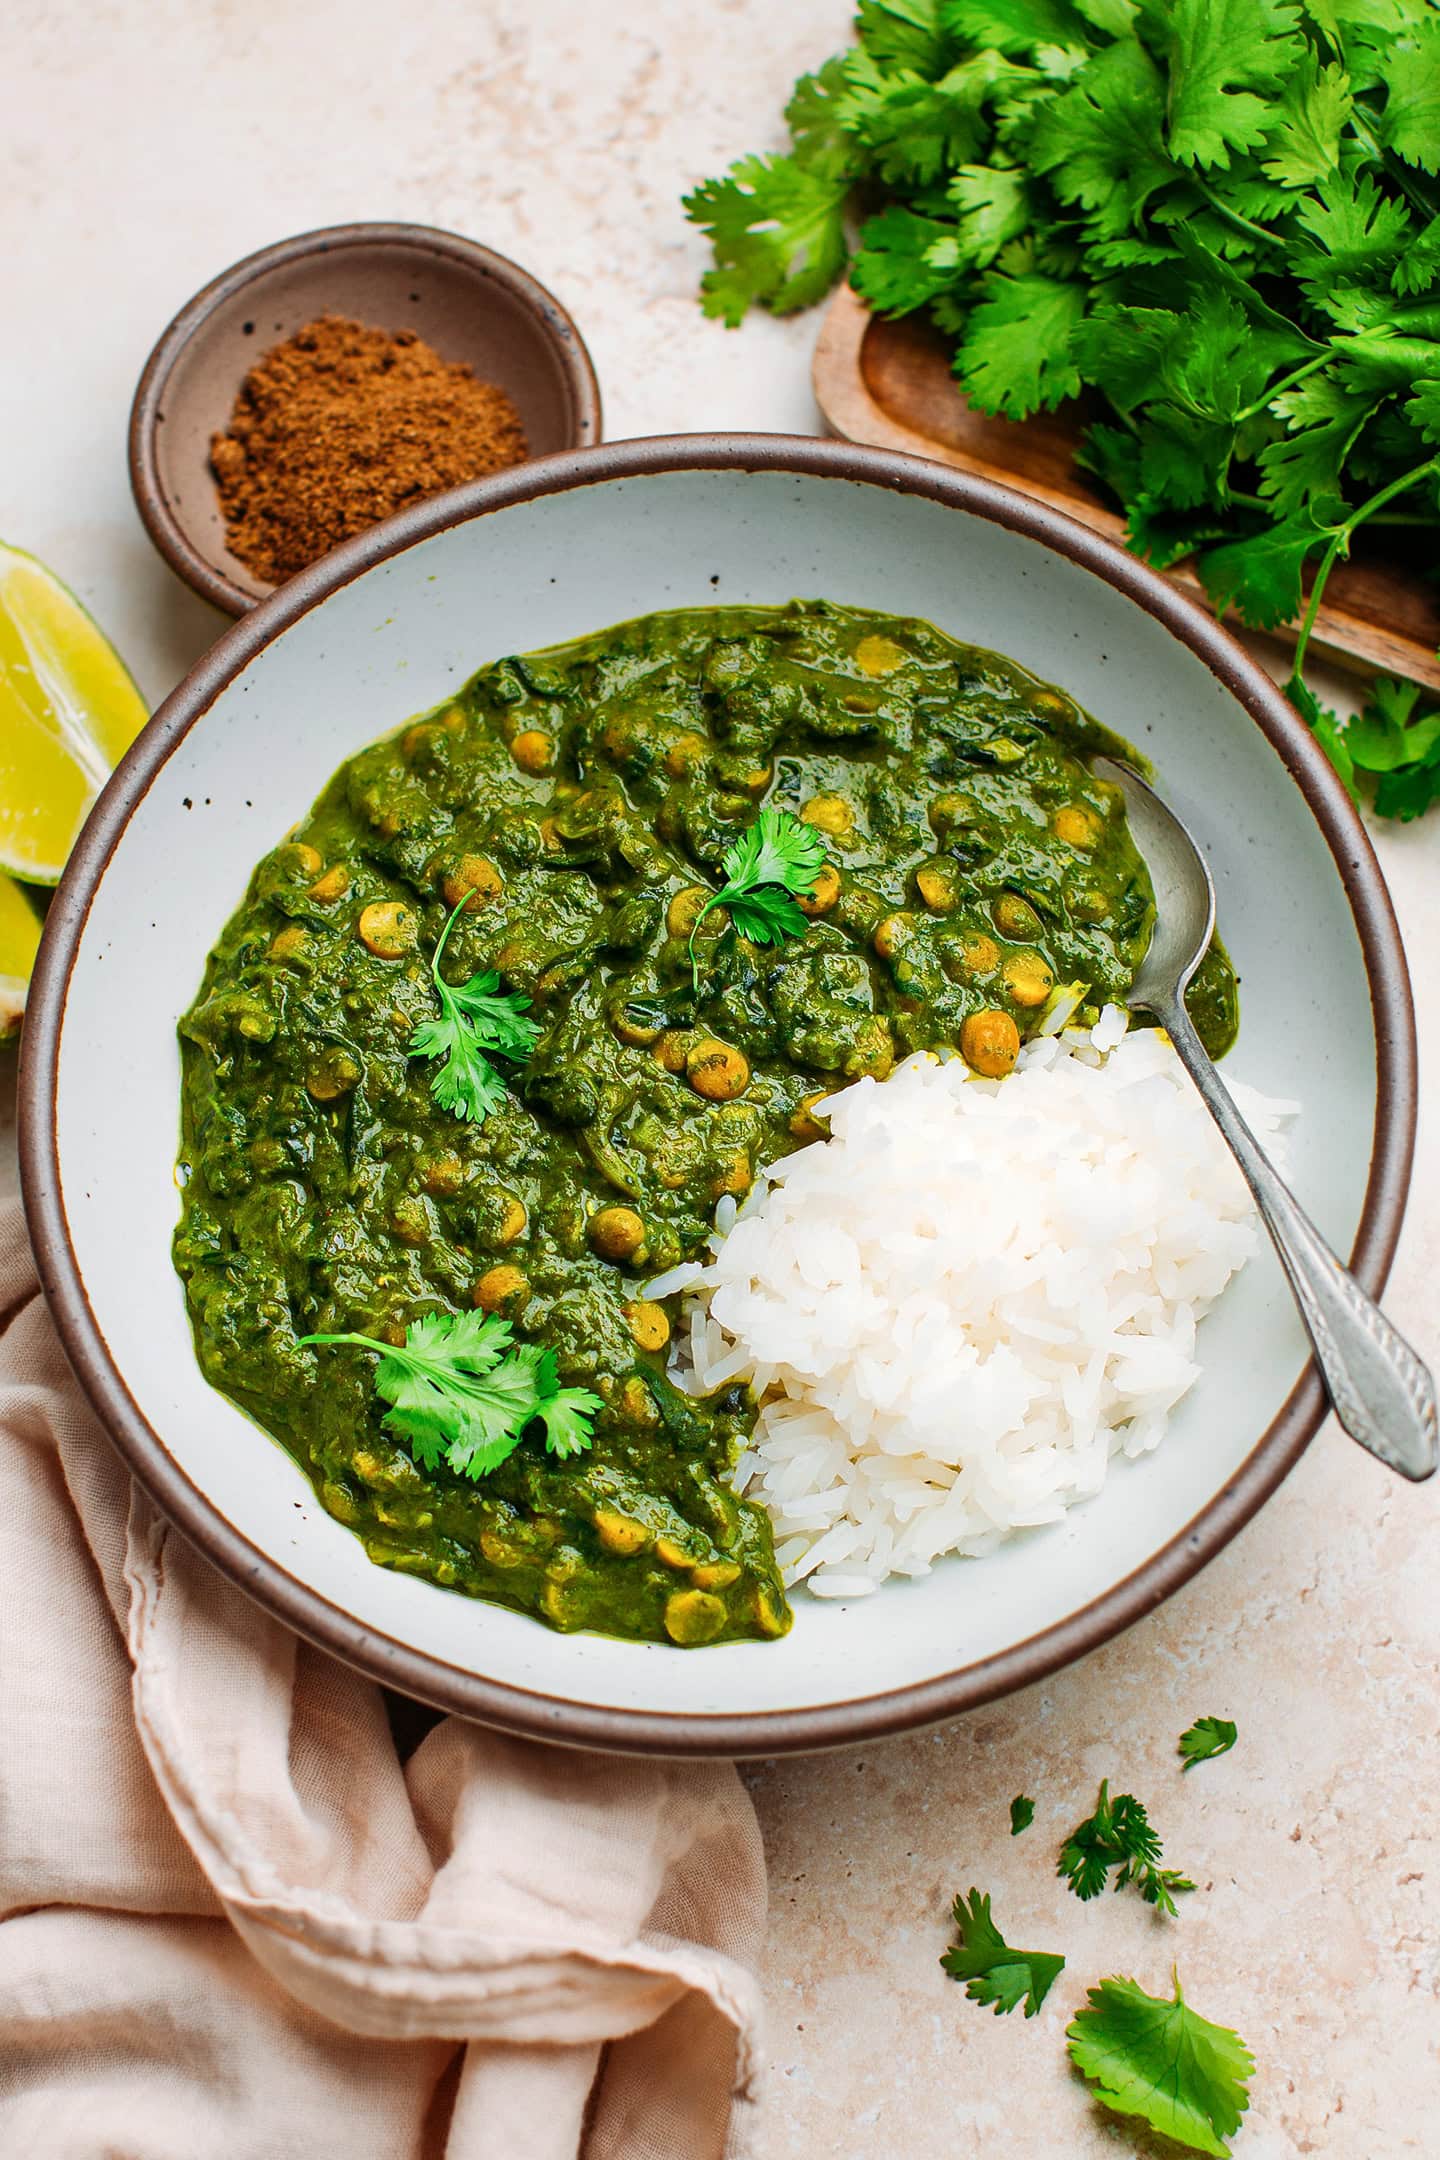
(547, 1717)
(156, 515)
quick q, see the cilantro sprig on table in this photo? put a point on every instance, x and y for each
(461, 1392)
(1155, 2057)
(1120, 1835)
(775, 860)
(995, 1973)
(477, 1023)
(1222, 221)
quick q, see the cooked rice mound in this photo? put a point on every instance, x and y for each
(957, 1310)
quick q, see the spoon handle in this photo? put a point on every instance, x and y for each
(1383, 1396)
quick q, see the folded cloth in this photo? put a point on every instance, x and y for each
(235, 1926)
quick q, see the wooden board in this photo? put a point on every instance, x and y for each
(889, 383)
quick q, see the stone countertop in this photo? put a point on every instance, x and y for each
(142, 148)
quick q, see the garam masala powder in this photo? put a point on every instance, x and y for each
(339, 427)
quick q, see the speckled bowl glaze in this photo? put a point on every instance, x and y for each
(393, 622)
(468, 302)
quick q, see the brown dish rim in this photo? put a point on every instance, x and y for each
(548, 1717)
(151, 501)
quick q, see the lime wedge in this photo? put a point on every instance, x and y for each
(19, 941)
(68, 713)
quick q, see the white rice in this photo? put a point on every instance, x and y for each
(957, 1310)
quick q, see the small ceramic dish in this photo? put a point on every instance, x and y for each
(468, 302)
(391, 624)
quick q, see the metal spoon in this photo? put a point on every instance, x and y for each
(1382, 1394)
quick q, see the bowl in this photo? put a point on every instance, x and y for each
(392, 623)
(468, 302)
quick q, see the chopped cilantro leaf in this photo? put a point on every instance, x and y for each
(1207, 1737)
(995, 1973)
(1022, 1813)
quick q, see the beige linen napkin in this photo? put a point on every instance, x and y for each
(234, 1926)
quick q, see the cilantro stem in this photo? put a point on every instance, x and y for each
(713, 901)
(1235, 219)
(1286, 382)
(1339, 544)
(395, 1351)
(462, 903)
(1249, 298)
(366, 1342)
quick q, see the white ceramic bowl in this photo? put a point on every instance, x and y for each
(392, 623)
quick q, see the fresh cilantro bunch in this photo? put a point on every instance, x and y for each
(1120, 1835)
(775, 859)
(1218, 218)
(477, 1022)
(462, 1394)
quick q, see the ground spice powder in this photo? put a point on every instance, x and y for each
(341, 426)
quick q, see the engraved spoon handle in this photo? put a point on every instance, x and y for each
(1382, 1394)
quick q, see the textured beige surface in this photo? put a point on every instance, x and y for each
(141, 149)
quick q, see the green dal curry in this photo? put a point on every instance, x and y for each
(582, 798)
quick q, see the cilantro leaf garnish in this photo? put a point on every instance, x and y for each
(1119, 1835)
(1022, 1813)
(774, 860)
(1215, 219)
(460, 1392)
(1157, 2058)
(1207, 1737)
(477, 1022)
(566, 1417)
(993, 1971)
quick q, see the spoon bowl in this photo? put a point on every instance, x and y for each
(1180, 876)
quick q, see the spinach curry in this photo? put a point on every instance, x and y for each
(581, 800)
